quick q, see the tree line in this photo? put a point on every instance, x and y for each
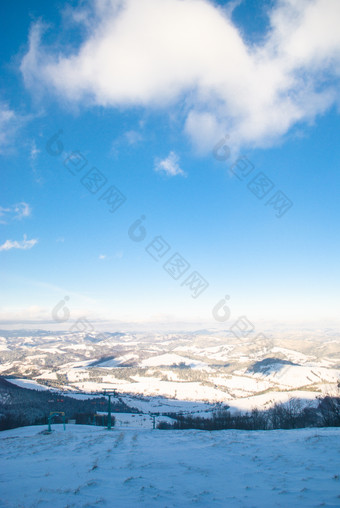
(290, 415)
(22, 406)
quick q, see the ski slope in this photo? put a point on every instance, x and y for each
(90, 466)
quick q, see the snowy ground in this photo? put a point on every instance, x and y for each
(188, 396)
(90, 466)
(178, 369)
(136, 421)
(30, 384)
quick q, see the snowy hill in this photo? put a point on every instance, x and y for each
(170, 360)
(202, 367)
(90, 466)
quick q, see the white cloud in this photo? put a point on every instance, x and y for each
(34, 152)
(102, 256)
(158, 52)
(9, 123)
(130, 138)
(133, 137)
(14, 212)
(23, 244)
(169, 165)
(204, 129)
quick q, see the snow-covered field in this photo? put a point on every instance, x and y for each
(201, 368)
(90, 466)
(30, 384)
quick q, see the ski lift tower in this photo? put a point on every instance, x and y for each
(109, 395)
(53, 414)
(153, 416)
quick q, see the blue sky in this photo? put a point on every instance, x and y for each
(145, 92)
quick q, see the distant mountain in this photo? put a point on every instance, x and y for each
(205, 367)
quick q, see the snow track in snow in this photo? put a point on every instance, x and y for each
(90, 466)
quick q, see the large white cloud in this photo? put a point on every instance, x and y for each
(156, 52)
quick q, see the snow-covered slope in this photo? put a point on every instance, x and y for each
(203, 366)
(26, 383)
(169, 360)
(89, 466)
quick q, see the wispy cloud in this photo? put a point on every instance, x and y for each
(169, 165)
(151, 54)
(129, 139)
(133, 137)
(34, 152)
(10, 122)
(14, 212)
(23, 244)
(102, 256)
